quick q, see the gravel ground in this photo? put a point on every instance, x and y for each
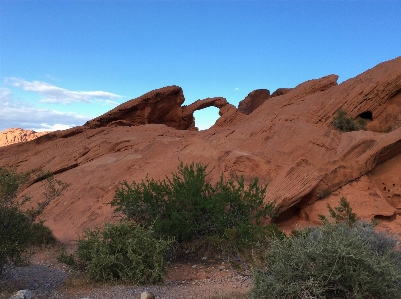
(41, 279)
(47, 278)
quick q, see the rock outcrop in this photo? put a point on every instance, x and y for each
(160, 106)
(253, 100)
(288, 141)
(280, 92)
(17, 135)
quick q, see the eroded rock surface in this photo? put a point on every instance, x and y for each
(288, 141)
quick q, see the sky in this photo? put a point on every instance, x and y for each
(65, 62)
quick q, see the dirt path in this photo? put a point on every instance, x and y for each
(47, 278)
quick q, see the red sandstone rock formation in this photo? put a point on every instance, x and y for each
(288, 141)
(16, 135)
(280, 92)
(160, 106)
(253, 101)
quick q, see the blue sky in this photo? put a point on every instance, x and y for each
(65, 62)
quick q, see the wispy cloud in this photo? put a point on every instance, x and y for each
(54, 94)
(47, 127)
(112, 103)
(5, 96)
(236, 89)
(23, 115)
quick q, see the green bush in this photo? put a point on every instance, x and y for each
(342, 213)
(53, 189)
(10, 182)
(64, 257)
(188, 206)
(18, 233)
(17, 230)
(41, 234)
(123, 252)
(335, 260)
(347, 124)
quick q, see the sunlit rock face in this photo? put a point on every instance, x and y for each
(17, 135)
(287, 141)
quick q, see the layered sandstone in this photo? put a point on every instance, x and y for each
(287, 141)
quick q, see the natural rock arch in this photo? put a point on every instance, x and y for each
(206, 118)
(160, 106)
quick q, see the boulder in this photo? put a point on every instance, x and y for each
(147, 295)
(22, 294)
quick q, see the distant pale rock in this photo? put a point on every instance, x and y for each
(17, 135)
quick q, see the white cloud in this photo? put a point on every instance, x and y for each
(236, 89)
(17, 114)
(54, 94)
(55, 127)
(113, 103)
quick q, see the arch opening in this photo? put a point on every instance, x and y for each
(206, 117)
(366, 115)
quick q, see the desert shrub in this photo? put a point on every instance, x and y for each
(10, 183)
(342, 213)
(188, 206)
(15, 228)
(342, 122)
(123, 252)
(335, 260)
(53, 189)
(41, 234)
(18, 232)
(65, 258)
